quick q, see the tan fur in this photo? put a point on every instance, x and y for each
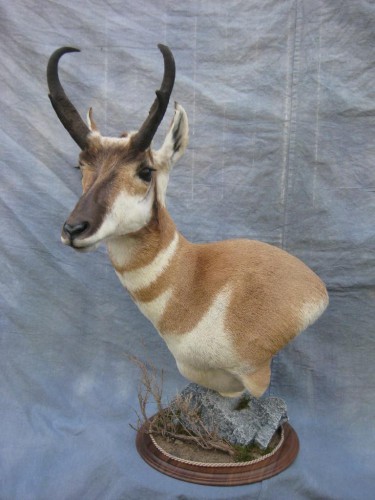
(270, 288)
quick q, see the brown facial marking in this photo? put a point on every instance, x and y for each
(107, 168)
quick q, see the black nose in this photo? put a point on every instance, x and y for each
(76, 229)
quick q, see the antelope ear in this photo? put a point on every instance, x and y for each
(176, 140)
(91, 122)
(172, 149)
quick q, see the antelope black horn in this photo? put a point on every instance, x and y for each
(142, 140)
(65, 110)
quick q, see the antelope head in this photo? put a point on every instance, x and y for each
(124, 181)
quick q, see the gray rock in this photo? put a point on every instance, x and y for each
(245, 420)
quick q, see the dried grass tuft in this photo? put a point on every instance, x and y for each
(181, 420)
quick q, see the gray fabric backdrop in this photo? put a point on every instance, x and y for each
(280, 96)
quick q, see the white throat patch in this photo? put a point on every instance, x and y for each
(143, 277)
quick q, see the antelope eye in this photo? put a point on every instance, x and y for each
(146, 174)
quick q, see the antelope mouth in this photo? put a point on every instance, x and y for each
(87, 248)
(79, 237)
(79, 245)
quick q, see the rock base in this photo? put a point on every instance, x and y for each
(240, 421)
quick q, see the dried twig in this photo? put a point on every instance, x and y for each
(181, 420)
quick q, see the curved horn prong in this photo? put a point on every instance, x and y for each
(144, 136)
(65, 110)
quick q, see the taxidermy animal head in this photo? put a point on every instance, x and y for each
(224, 309)
(122, 178)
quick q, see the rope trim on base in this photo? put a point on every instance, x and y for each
(218, 464)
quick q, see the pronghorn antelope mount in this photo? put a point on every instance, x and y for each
(225, 308)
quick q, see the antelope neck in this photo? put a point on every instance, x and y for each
(150, 249)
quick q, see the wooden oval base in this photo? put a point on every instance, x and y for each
(220, 474)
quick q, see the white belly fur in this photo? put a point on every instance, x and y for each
(205, 355)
